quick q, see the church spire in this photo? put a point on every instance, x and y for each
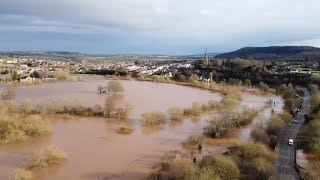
(206, 60)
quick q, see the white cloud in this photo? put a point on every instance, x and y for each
(162, 10)
(308, 42)
(207, 12)
(201, 21)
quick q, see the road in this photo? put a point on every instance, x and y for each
(287, 154)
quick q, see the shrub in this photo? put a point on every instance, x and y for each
(311, 136)
(125, 130)
(223, 125)
(61, 75)
(123, 113)
(51, 155)
(275, 125)
(174, 166)
(286, 117)
(22, 174)
(175, 114)
(232, 92)
(245, 117)
(261, 168)
(259, 134)
(114, 87)
(109, 106)
(8, 94)
(101, 89)
(228, 103)
(193, 141)
(247, 82)
(207, 174)
(196, 109)
(217, 129)
(245, 153)
(212, 105)
(222, 166)
(264, 86)
(153, 118)
(15, 127)
(162, 79)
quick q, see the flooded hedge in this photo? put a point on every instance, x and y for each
(219, 128)
(153, 118)
(48, 156)
(16, 126)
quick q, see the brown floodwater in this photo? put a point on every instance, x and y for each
(144, 96)
(94, 150)
(265, 105)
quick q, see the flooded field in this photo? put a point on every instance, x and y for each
(94, 150)
(271, 103)
(144, 96)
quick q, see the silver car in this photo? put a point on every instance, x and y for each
(290, 142)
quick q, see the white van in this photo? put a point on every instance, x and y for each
(290, 142)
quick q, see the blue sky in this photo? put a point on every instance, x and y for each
(156, 26)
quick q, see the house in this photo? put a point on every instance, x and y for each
(27, 79)
(14, 61)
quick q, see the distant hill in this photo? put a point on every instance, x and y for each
(210, 55)
(275, 53)
(41, 53)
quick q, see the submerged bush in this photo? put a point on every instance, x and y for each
(153, 118)
(16, 127)
(220, 127)
(228, 103)
(193, 141)
(51, 155)
(175, 114)
(195, 110)
(125, 130)
(123, 113)
(8, 94)
(22, 174)
(114, 87)
(259, 134)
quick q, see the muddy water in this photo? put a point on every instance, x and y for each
(265, 105)
(94, 150)
(144, 96)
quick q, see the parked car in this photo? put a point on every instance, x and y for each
(290, 142)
